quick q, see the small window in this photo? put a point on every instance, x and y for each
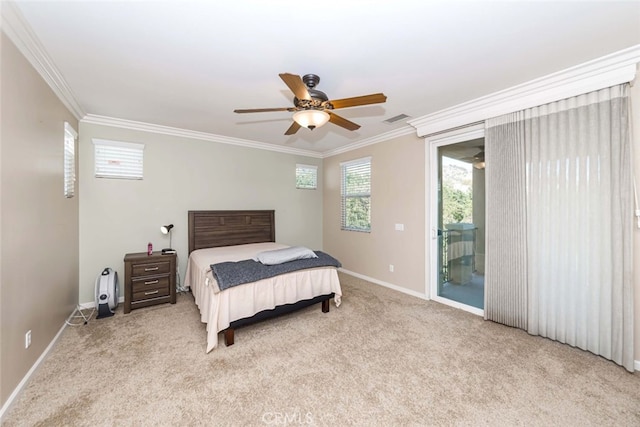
(115, 159)
(356, 195)
(307, 177)
(70, 136)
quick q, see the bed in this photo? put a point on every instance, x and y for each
(221, 236)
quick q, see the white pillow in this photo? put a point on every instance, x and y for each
(280, 256)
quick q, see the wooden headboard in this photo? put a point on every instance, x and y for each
(211, 229)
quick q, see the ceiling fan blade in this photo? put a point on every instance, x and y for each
(296, 85)
(293, 128)
(342, 122)
(264, 110)
(375, 98)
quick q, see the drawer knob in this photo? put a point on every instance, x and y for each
(151, 293)
(151, 269)
(151, 282)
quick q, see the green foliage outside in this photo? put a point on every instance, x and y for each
(358, 213)
(457, 204)
(306, 179)
(357, 198)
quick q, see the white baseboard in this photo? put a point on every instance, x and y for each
(385, 284)
(25, 380)
(636, 364)
(92, 304)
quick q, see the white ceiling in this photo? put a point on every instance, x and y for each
(188, 64)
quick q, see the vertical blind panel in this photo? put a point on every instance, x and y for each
(118, 160)
(306, 176)
(356, 195)
(506, 267)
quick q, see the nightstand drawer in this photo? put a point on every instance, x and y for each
(150, 284)
(151, 293)
(150, 269)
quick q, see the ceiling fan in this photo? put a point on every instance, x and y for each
(312, 108)
(477, 160)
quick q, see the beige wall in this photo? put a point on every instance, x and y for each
(181, 174)
(39, 226)
(397, 197)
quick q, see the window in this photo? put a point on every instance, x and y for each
(70, 136)
(356, 195)
(307, 177)
(115, 159)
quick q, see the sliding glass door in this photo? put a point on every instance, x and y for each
(458, 223)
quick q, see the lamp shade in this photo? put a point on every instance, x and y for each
(311, 118)
(166, 228)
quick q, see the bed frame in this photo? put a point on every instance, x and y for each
(212, 229)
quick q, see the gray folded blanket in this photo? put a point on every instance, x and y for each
(230, 274)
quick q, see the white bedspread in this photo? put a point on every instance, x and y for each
(219, 308)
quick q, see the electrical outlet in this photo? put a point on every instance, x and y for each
(27, 339)
(391, 268)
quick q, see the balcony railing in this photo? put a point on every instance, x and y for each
(457, 253)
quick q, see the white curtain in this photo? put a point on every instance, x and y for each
(578, 218)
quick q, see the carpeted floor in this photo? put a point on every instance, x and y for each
(382, 358)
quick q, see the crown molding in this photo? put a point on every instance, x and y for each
(19, 31)
(616, 68)
(370, 141)
(185, 133)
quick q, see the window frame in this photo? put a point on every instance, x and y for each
(311, 169)
(69, 160)
(361, 165)
(118, 160)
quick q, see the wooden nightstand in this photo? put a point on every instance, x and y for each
(149, 280)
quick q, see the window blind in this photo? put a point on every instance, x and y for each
(356, 195)
(116, 159)
(307, 177)
(70, 136)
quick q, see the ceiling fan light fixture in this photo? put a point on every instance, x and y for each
(478, 160)
(311, 119)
